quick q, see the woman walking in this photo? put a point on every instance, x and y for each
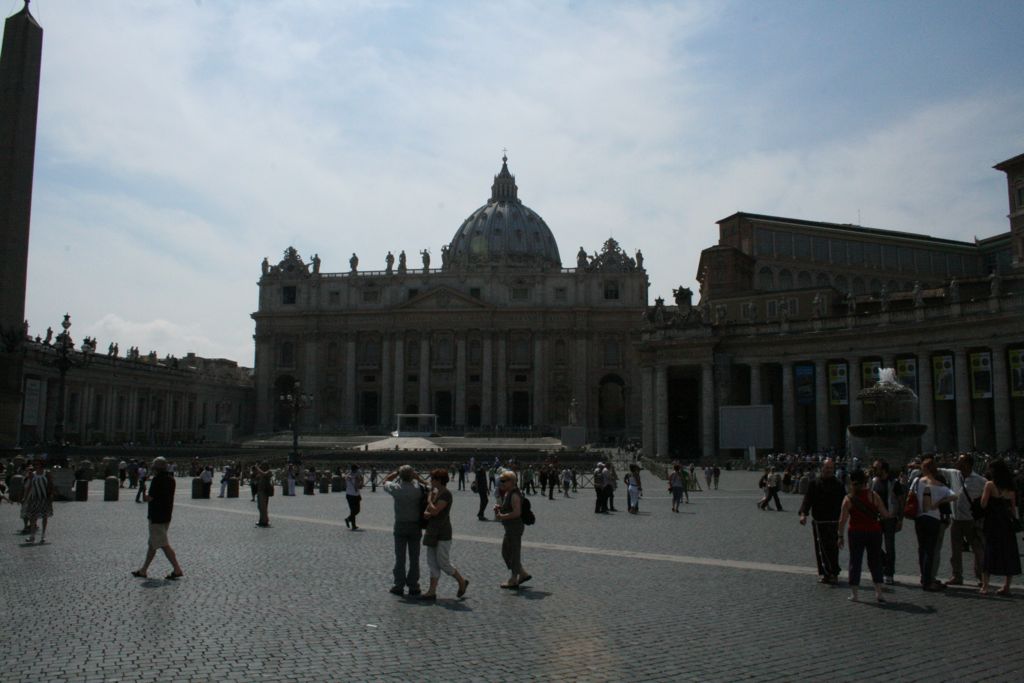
(677, 485)
(438, 536)
(863, 509)
(509, 511)
(633, 489)
(1000, 505)
(37, 501)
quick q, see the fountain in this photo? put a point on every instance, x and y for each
(889, 430)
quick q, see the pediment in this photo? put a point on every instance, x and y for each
(442, 298)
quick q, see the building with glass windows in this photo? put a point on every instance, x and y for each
(799, 315)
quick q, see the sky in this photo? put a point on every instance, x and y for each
(182, 141)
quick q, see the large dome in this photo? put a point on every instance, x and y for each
(504, 231)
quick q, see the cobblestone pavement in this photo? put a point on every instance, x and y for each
(721, 592)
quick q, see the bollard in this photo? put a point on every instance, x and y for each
(16, 488)
(336, 485)
(111, 488)
(325, 485)
(233, 487)
(82, 490)
(309, 488)
(197, 487)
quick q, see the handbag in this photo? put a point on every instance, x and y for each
(912, 507)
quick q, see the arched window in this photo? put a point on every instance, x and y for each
(822, 280)
(785, 279)
(765, 279)
(858, 286)
(803, 279)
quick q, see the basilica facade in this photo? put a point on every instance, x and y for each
(499, 338)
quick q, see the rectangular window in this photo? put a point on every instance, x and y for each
(371, 296)
(763, 242)
(369, 379)
(749, 311)
(520, 379)
(413, 293)
(872, 255)
(611, 353)
(802, 246)
(821, 250)
(520, 293)
(784, 244)
(611, 290)
(288, 295)
(474, 292)
(838, 251)
(334, 298)
(890, 258)
(474, 379)
(773, 309)
(856, 253)
(561, 294)
(412, 378)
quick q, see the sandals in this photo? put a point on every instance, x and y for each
(509, 585)
(173, 577)
(1003, 591)
(462, 588)
(138, 573)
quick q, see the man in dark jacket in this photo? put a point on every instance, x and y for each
(161, 503)
(823, 501)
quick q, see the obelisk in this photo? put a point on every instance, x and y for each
(20, 60)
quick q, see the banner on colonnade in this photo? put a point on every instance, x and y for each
(981, 375)
(869, 373)
(906, 373)
(942, 377)
(804, 373)
(1017, 373)
(838, 385)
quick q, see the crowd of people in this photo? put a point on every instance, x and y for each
(978, 512)
(845, 505)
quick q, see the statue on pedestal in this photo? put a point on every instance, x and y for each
(572, 412)
(425, 254)
(353, 263)
(918, 295)
(390, 261)
(401, 263)
(581, 258)
(954, 291)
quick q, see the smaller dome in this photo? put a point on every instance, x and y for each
(504, 231)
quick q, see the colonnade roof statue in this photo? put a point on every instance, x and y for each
(503, 232)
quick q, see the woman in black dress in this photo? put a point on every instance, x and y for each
(999, 502)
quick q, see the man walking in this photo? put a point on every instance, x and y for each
(161, 504)
(264, 489)
(824, 501)
(483, 486)
(407, 495)
(965, 528)
(601, 505)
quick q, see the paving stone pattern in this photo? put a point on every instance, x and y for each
(721, 592)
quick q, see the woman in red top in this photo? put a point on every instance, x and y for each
(863, 509)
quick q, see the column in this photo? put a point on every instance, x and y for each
(130, 417)
(824, 439)
(486, 377)
(386, 381)
(1001, 399)
(538, 380)
(853, 379)
(755, 384)
(310, 416)
(398, 394)
(349, 411)
(926, 401)
(501, 404)
(964, 431)
(425, 373)
(460, 379)
(788, 409)
(707, 410)
(581, 389)
(661, 411)
(647, 403)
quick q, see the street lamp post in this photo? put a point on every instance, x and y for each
(65, 360)
(296, 402)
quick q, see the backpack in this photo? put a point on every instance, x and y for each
(526, 512)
